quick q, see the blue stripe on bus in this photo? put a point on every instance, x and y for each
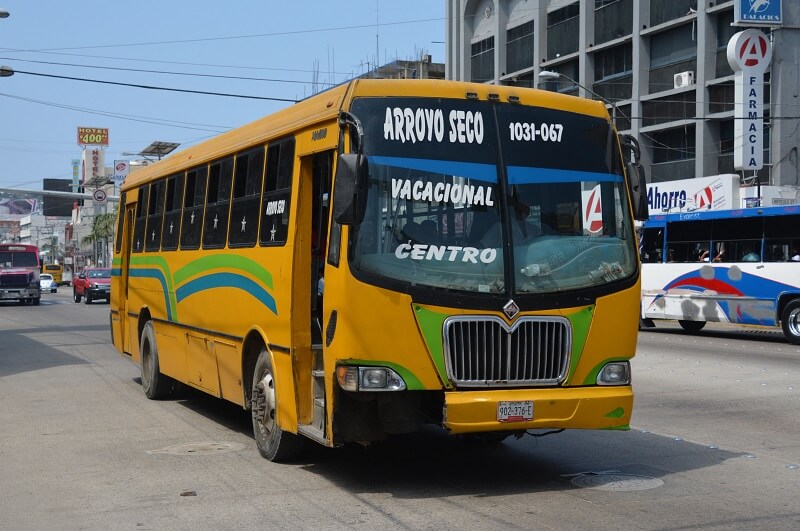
(528, 175)
(158, 275)
(227, 280)
(116, 271)
(471, 170)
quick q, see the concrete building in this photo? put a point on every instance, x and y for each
(662, 63)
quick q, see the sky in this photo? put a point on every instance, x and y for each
(265, 49)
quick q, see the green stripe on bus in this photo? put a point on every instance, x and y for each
(224, 261)
(431, 324)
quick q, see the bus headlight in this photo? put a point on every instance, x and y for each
(615, 373)
(354, 378)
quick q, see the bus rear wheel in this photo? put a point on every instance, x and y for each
(273, 443)
(790, 322)
(692, 326)
(155, 384)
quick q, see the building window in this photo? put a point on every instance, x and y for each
(665, 10)
(673, 46)
(613, 62)
(563, 31)
(673, 144)
(483, 60)
(612, 19)
(519, 47)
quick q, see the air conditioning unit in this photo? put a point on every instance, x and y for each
(684, 79)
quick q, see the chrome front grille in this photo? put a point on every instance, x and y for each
(487, 352)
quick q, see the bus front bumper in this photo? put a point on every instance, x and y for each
(596, 407)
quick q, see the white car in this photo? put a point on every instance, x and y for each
(47, 283)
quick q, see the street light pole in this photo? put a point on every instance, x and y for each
(5, 71)
(552, 75)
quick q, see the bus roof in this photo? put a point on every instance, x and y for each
(326, 106)
(659, 220)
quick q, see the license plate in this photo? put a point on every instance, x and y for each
(520, 411)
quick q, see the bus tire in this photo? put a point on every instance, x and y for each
(273, 443)
(35, 301)
(75, 296)
(692, 326)
(156, 385)
(790, 321)
(88, 299)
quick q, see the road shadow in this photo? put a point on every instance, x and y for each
(432, 463)
(766, 336)
(20, 352)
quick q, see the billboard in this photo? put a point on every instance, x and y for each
(57, 206)
(718, 192)
(12, 208)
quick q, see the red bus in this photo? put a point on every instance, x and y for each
(19, 273)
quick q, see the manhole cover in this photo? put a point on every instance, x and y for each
(199, 448)
(616, 482)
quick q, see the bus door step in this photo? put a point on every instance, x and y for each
(315, 434)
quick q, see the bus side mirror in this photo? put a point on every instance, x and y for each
(350, 189)
(638, 189)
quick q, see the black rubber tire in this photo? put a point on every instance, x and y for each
(273, 443)
(156, 385)
(88, 299)
(790, 322)
(692, 326)
(75, 296)
(35, 301)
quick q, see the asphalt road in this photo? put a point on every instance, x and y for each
(715, 443)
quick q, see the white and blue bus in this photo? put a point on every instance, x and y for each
(729, 266)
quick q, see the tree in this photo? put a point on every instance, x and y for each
(102, 231)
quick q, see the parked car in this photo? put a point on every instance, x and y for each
(93, 283)
(47, 283)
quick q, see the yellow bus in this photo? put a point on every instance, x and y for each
(390, 254)
(57, 270)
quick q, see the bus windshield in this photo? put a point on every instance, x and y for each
(489, 198)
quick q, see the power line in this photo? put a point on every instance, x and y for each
(152, 87)
(234, 37)
(130, 117)
(241, 78)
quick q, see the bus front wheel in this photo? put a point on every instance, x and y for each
(155, 384)
(692, 326)
(790, 321)
(273, 443)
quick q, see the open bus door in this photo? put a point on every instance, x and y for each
(122, 265)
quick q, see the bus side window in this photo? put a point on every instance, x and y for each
(172, 213)
(141, 220)
(246, 198)
(277, 193)
(192, 223)
(218, 201)
(154, 211)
